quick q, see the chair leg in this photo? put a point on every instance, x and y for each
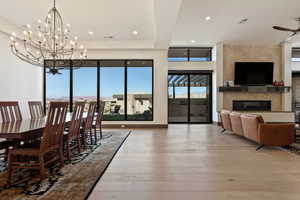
(68, 151)
(101, 136)
(260, 147)
(61, 157)
(95, 134)
(9, 169)
(42, 167)
(91, 136)
(6, 154)
(84, 139)
(78, 144)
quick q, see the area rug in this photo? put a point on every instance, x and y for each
(74, 181)
(293, 148)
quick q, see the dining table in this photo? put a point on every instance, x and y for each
(27, 128)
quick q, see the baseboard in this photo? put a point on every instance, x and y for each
(135, 125)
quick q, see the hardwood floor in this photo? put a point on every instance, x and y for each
(192, 162)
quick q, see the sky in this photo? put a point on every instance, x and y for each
(111, 82)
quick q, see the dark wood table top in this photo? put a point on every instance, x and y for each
(25, 128)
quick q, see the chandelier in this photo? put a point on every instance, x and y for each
(52, 41)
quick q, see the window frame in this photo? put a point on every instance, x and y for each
(295, 59)
(188, 56)
(71, 88)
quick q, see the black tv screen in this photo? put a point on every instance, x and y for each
(253, 73)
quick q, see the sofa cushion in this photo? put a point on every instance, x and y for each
(236, 123)
(250, 123)
(225, 119)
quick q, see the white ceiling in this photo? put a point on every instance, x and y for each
(226, 14)
(104, 17)
(161, 23)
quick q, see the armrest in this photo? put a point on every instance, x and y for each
(276, 134)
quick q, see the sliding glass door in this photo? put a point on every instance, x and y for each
(178, 98)
(190, 97)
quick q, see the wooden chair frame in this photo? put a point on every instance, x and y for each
(51, 143)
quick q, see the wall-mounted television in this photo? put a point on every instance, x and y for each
(253, 73)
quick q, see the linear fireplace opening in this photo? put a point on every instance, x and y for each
(251, 105)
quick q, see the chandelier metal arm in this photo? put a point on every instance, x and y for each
(51, 42)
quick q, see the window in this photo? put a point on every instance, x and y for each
(112, 89)
(58, 86)
(126, 87)
(192, 54)
(296, 54)
(139, 90)
(178, 54)
(85, 83)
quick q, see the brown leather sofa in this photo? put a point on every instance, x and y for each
(267, 134)
(225, 120)
(253, 127)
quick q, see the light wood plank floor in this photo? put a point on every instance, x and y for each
(192, 162)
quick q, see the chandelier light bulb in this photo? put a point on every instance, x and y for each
(28, 26)
(14, 34)
(39, 21)
(25, 32)
(68, 25)
(75, 38)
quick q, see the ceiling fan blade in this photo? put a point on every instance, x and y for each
(290, 37)
(284, 29)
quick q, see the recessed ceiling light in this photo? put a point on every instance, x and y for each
(109, 37)
(135, 32)
(207, 18)
(193, 41)
(91, 32)
(243, 21)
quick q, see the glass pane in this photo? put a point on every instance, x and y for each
(199, 98)
(178, 54)
(200, 54)
(178, 98)
(139, 93)
(57, 86)
(85, 85)
(112, 92)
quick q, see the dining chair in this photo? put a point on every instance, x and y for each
(36, 109)
(10, 111)
(73, 132)
(98, 123)
(88, 124)
(32, 155)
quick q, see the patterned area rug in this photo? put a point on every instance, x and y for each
(294, 148)
(74, 181)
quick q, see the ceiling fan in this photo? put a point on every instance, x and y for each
(53, 71)
(294, 31)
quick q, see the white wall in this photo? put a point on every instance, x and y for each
(19, 81)
(160, 104)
